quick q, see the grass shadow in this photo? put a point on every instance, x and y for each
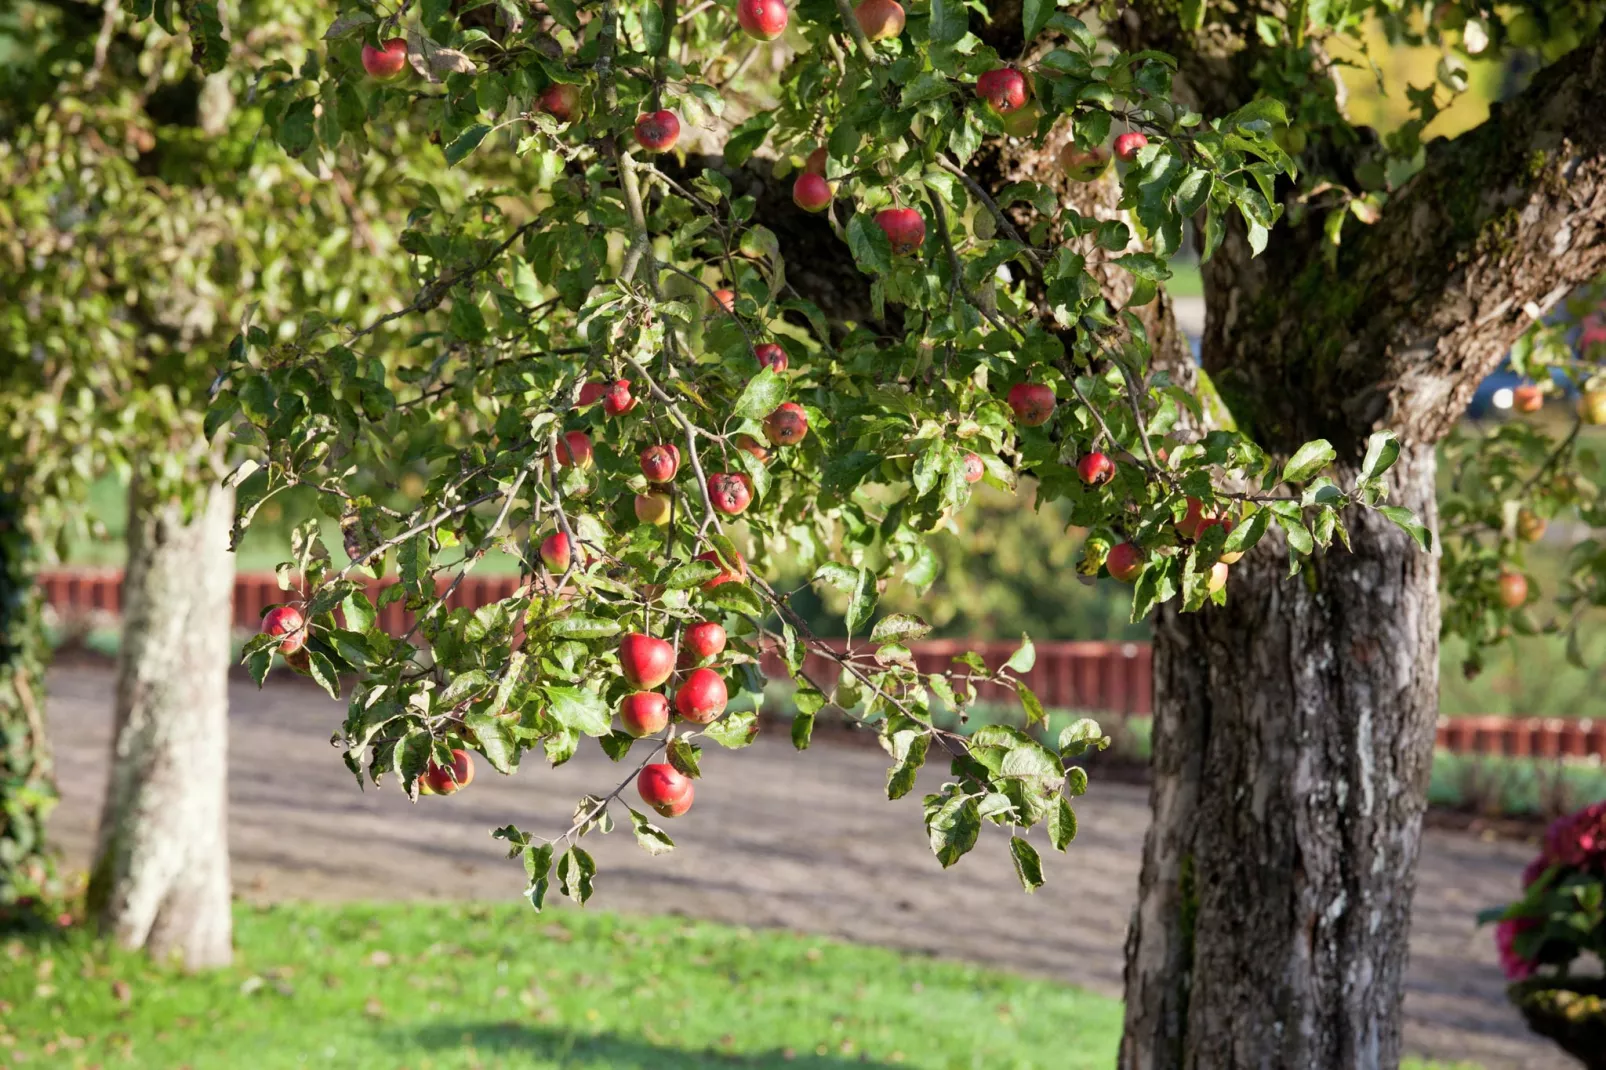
(565, 1048)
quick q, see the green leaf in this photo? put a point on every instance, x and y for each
(952, 829)
(583, 711)
(1192, 15)
(763, 395)
(653, 840)
(734, 730)
(693, 574)
(1028, 866)
(1024, 658)
(736, 598)
(861, 604)
(1247, 534)
(258, 663)
(802, 730)
(898, 627)
(1034, 16)
(463, 685)
(1062, 824)
(578, 627)
(208, 49)
(683, 756)
(927, 86)
(950, 21)
(1144, 266)
(410, 757)
(1299, 537)
(1382, 450)
(359, 612)
(871, 249)
(1407, 522)
(576, 870)
(465, 143)
(1031, 704)
(495, 738)
(901, 777)
(1309, 459)
(323, 671)
(746, 138)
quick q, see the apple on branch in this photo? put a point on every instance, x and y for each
(387, 62)
(665, 789)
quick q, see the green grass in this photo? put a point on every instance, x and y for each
(434, 986)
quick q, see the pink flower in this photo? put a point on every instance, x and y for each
(1515, 967)
(1578, 840)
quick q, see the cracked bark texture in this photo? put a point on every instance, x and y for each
(1294, 726)
(161, 875)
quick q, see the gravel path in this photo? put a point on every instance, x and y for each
(798, 841)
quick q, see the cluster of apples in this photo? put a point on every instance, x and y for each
(647, 664)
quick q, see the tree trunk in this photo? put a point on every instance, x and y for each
(1292, 744)
(161, 876)
(27, 791)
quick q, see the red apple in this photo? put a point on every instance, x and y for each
(1513, 589)
(1128, 145)
(560, 101)
(387, 62)
(645, 661)
(762, 20)
(704, 639)
(1003, 89)
(904, 228)
(654, 508)
(1218, 577)
(447, 780)
(753, 447)
(1082, 165)
(974, 468)
(574, 448)
(1033, 403)
(644, 713)
(880, 19)
(555, 553)
(660, 463)
(1527, 398)
(726, 300)
(731, 492)
(665, 789)
(288, 622)
(769, 355)
(300, 661)
(736, 572)
(591, 393)
(815, 164)
(787, 425)
(616, 399)
(658, 131)
(1194, 520)
(1125, 562)
(702, 696)
(1095, 469)
(811, 192)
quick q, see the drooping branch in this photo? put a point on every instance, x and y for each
(1497, 227)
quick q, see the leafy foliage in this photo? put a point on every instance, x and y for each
(603, 270)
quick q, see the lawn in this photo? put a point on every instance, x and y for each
(431, 986)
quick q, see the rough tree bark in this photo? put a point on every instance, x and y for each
(1294, 727)
(161, 875)
(27, 791)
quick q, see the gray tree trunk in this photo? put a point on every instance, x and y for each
(1292, 744)
(161, 875)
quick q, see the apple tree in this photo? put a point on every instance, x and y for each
(776, 284)
(142, 219)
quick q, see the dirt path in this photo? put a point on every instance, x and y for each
(800, 841)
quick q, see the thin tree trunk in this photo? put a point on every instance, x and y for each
(1292, 744)
(27, 790)
(161, 876)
